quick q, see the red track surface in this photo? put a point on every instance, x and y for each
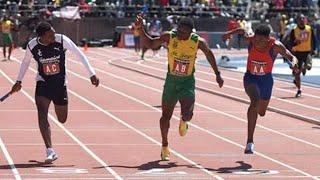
(113, 131)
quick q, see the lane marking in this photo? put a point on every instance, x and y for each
(133, 128)
(218, 136)
(91, 153)
(162, 172)
(9, 159)
(55, 170)
(193, 125)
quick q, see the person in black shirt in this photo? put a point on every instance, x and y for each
(48, 49)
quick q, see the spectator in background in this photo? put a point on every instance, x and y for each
(155, 31)
(7, 41)
(282, 26)
(317, 33)
(243, 24)
(173, 20)
(233, 24)
(136, 37)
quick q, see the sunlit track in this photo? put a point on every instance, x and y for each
(270, 108)
(288, 168)
(51, 116)
(201, 105)
(163, 61)
(122, 122)
(229, 141)
(235, 117)
(201, 68)
(9, 159)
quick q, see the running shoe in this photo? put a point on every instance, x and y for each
(165, 154)
(298, 94)
(249, 148)
(183, 128)
(51, 156)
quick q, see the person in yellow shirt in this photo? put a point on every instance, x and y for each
(136, 38)
(6, 26)
(183, 45)
(302, 41)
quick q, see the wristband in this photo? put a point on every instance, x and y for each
(217, 73)
(18, 82)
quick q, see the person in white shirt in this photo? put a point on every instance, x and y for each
(49, 50)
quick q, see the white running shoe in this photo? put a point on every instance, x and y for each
(249, 148)
(51, 156)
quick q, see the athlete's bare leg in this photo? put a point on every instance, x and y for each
(252, 113)
(61, 112)
(4, 52)
(10, 50)
(43, 107)
(263, 105)
(167, 111)
(187, 105)
(297, 79)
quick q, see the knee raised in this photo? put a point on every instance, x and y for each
(262, 114)
(62, 119)
(187, 116)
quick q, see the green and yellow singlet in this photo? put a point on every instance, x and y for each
(182, 54)
(6, 26)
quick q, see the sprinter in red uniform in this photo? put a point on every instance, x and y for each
(258, 80)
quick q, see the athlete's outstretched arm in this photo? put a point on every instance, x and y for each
(71, 46)
(23, 69)
(228, 35)
(212, 60)
(281, 49)
(147, 41)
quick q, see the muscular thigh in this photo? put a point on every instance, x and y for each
(187, 106)
(55, 93)
(258, 86)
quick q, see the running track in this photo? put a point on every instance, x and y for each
(113, 132)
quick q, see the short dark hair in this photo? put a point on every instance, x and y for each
(186, 21)
(42, 28)
(263, 30)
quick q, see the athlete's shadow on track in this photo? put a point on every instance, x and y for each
(150, 165)
(242, 167)
(32, 164)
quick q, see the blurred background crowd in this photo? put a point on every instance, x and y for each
(99, 19)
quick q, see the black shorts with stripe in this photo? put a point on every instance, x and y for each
(55, 92)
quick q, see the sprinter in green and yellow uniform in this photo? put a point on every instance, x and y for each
(183, 45)
(6, 26)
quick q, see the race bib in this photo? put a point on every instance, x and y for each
(303, 36)
(51, 68)
(258, 68)
(180, 67)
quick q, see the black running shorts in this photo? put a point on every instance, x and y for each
(53, 91)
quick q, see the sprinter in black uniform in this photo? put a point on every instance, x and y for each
(48, 49)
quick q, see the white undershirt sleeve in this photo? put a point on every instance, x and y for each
(71, 46)
(25, 64)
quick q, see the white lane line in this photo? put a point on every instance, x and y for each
(133, 128)
(10, 161)
(218, 136)
(91, 153)
(237, 89)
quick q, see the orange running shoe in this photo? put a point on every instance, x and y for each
(165, 154)
(183, 128)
